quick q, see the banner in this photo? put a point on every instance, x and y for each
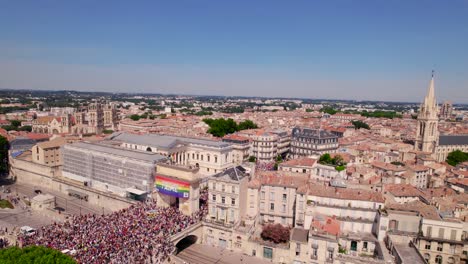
(172, 187)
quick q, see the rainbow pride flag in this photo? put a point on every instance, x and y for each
(172, 187)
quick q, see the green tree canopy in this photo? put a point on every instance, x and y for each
(221, 127)
(135, 117)
(328, 110)
(33, 255)
(359, 124)
(456, 157)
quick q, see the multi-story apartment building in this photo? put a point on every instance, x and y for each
(276, 196)
(306, 142)
(48, 152)
(240, 146)
(209, 156)
(227, 195)
(267, 145)
(442, 241)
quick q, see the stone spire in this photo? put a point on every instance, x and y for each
(429, 106)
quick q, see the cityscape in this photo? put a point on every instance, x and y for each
(239, 171)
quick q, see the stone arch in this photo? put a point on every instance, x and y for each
(185, 243)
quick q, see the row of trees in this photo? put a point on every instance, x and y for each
(16, 125)
(221, 127)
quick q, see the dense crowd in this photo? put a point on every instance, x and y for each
(138, 234)
(3, 243)
(265, 166)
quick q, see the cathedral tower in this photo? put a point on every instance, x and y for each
(427, 133)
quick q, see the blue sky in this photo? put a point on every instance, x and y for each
(378, 50)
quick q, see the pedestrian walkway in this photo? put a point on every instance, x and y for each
(203, 254)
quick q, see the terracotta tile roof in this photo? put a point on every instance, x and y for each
(342, 193)
(403, 190)
(425, 210)
(278, 178)
(326, 224)
(306, 162)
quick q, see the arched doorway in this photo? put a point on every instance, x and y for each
(149, 149)
(353, 245)
(185, 243)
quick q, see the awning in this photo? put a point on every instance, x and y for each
(135, 191)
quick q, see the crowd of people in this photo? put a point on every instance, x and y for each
(3, 243)
(265, 166)
(138, 234)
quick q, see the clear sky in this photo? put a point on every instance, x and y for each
(377, 50)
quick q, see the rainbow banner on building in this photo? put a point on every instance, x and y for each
(172, 187)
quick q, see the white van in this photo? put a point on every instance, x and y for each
(27, 230)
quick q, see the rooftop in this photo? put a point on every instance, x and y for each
(133, 154)
(164, 141)
(453, 140)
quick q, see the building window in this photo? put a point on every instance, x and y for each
(429, 231)
(284, 209)
(452, 249)
(262, 195)
(284, 197)
(223, 199)
(272, 196)
(441, 232)
(330, 254)
(233, 190)
(223, 187)
(428, 246)
(262, 205)
(438, 259)
(453, 235)
(201, 157)
(233, 201)
(272, 207)
(427, 257)
(440, 246)
(216, 159)
(268, 253)
(283, 220)
(214, 197)
(364, 245)
(208, 158)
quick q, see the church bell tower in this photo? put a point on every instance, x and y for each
(427, 133)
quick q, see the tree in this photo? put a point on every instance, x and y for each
(325, 159)
(359, 124)
(456, 157)
(16, 123)
(221, 127)
(4, 146)
(328, 110)
(247, 124)
(25, 128)
(108, 131)
(135, 117)
(252, 159)
(33, 254)
(275, 233)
